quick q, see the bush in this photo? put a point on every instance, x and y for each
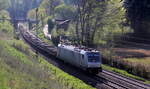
(138, 69)
(6, 27)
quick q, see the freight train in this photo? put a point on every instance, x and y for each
(81, 57)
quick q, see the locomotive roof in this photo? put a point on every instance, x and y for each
(76, 49)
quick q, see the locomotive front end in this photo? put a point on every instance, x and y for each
(94, 62)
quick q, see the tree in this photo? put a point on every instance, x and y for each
(50, 5)
(138, 16)
(20, 8)
(3, 4)
(98, 17)
(68, 2)
(111, 26)
(50, 25)
(65, 12)
(88, 20)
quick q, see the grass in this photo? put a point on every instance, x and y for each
(125, 73)
(11, 78)
(69, 81)
(21, 46)
(17, 65)
(10, 51)
(145, 60)
(26, 73)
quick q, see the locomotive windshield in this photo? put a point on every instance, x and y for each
(93, 57)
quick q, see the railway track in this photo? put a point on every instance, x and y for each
(132, 83)
(110, 83)
(104, 80)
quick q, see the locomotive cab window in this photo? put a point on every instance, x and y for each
(93, 57)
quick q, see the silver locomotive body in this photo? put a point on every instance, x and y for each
(81, 58)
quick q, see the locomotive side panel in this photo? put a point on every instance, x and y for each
(67, 56)
(77, 59)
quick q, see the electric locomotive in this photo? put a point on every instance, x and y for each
(84, 58)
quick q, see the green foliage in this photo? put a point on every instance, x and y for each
(41, 15)
(6, 28)
(112, 17)
(42, 37)
(7, 50)
(144, 61)
(21, 46)
(3, 4)
(71, 31)
(54, 33)
(68, 2)
(65, 12)
(49, 6)
(21, 6)
(32, 14)
(4, 14)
